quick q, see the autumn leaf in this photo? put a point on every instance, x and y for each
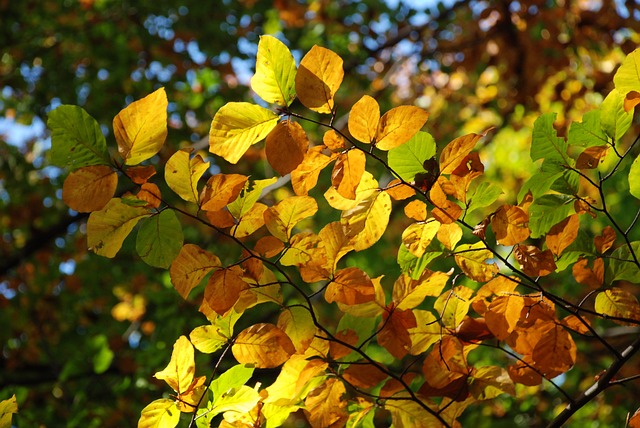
(190, 266)
(275, 76)
(426, 332)
(453, 306)
(605, 241)
(363, 376)
(449, 235)
(140, 174)
(182, 174)
(456, 151)
(534, 261)
(305, 176)
(367, 221)
(399, 125)
(264, 345)
(89, 188)
(510, 224)
(250, 222)
(286, 146)
(394, 331)
(281, 218)
(350, 286)
(220, 190)
(347, 172)
(563, 234)
(338, 350)
(8, 408)
(418, 236)
(224, 288)
(363, 119)
(108, 228)
(325, 406)
(319, 76)
(617, 302)
(591, 157)
(471, 258)
(489, 382)
(249, 195)
(161, 413)
(181, 369)
(298, 324)
(555, 352)
(408, 293)
(627, 77)
(238, 125)
(503, 314)
(141, 128)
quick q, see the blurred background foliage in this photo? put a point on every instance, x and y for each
(82, 334)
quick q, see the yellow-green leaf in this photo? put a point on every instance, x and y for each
(398, 125)
(7, 408)
(107, 228)
(418, 236)
(627, 78)
(454, 305)
(275, 76)
(297, 323)
(89, 188)
(179, 372)
(617, 302)
(318, 79)
(160, 239)
(238, 125)
(141, 128)
(183, 172)
(264, 345)
(472, 259)
(281, 218)
(250, 221)
(363, 119)
(162, 413)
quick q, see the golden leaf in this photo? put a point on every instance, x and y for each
(183, 172)
(305, 176)
(511, 225)
(453, 154)
(281, 218)
(224, 288)
(319, 76)
(350, 286)
(264, 345)
(108, 228)
(179, 373)
(347, 173)
(534, 262)
(418, 236)
(363, 119)
(89, 188)
(189, 268)
(472, 260)
(220, 190)
(398, 125)
(563, 234)
(286, 146)
(324, 406)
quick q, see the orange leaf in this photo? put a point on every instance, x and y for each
(446, 363)
(269, 246)
(189, 268)
(264, 345)
(224, 288)
(140, 174)
(445, 211)
(338, 350)
(350, 286)
(281, 218)
(416, 210)
(363, 119)
(286, 146)
(399, 191)
(333, 140)
(394, 334)
(398, 125)
(305, 176)
(150, 193)
(503, 314)
(592, 277)
(605, 241)
(325, 406)
(220, 218)
(523, 374)
(591, 157)
(453, 154)
(319, 76)
(576, 324)
(534, 261)
(511, 225)
(220, 190)
(363, 376)
(563, 234)
(89, 188)
(498, 286)
(555, 352)
(179, 373)
(347, 173)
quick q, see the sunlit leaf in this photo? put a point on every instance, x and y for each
(472, 259)
(511, 225)
(368, 310)
(160, 239)
(418, 236)
(190, 266)
(230, 379)
(563, 234)
(589, 132)
(449, 235)
(489, 382)
(363, 119)
(286, 146)
(140, 174)
(250, 194)
(325, 406)
(235, 403)
(416, 210)
(617, 302)
(224, 288)
(398, 125)
(547, 211)
(534, 261)
(89, 188)
(394, 331)
(409, 293)
(298, 324)
(555, 352)
(141, 127)
(454, 305)
(426, 332)
(162, 413)
(179, 373)
(591, 157)
(281, 218)
(8, 407)
(503, 314)
(264, 345)
(338, 350)
(347, 173)
(350, 286)
(614, 119)
(627, 77)
(207, 338)
(456, 151)
(238, 125)
(606, 240)
(319, 76)
(275, 76)
(546, 144)
(634, 178)
(108, 228)
(183, 172)
(366, 223)
(76, 138)
(366, 189)
(406, 413)
(305, 176)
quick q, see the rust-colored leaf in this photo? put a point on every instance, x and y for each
(524, 374)
(605, 241)
(534, 261)
(453, 154)
(338, 350)
(399, 191)
(286, 146)
(140, 174)
(305, 176)
(350, 286)
(586, 275)
(269, 246)
(224, 288)
(89, 188)
(591, 157)
(220, 190)
(394, 334)
(555, 352)
(189, 268)
(563, 234)
(498, 286)
(264, 345)
(511, 225)
(150, 193)
(363, 376)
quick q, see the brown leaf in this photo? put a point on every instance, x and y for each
(150, 193)
(591, 157)
(264, 345)
(563, 234)
(363, 376)
(220, 190)
(89, 188)
(394, 335)
(338, 350)
(140, 174)
(511, 225)
(286, 146)
(457, 150)
(224, 288)
(534, 261)
(350, 286)
(592, 277)
(605, 241)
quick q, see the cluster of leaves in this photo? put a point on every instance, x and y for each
(401, 346)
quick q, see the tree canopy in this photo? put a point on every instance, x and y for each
(440, 226)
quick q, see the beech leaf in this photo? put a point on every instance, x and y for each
(190, 266)
(89, 188)
(399, 125)
(160, 239)
(182, 174)
(363, 119)
(264, 345)
(319, 76)
(108, 228)
(275, 76)
(286, 146)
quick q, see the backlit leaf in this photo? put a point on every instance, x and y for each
(89, 188)
(160, 239)
(264, 345)
(286, 146)
(250, 222)
(347, 172)
(617, 302)
(297, 323)
(418, 236)
(350, 286)
(238, 125)
(484, 195)
(454, 305)
(471, 258)
(511, 225)
(319, 76)
(275, 76)
(426, 332)
(325, 406)
(627, 77)
(555, 352)
(179, 372)
(107, 228)
(141, 127)
(250, 194)
(546, 144)
(183, 172)
(408, 293)
(563, 234)
(614, 119)
(305, 176)
(281, 218)
(534, 261)
(623, 266)
(592, 277)
(409, 414)
(76, 138)
(8, 407)
(605, 241)
(490, 381)
(224, 288)
(503, 314)
(208, 338)
(394, 331)
(456, 151)
(589, 132)
(162, 413)
(449, 235)
(363, 119)
(399, 125)
(140, 174)
(591, 157)
(220, 190)
(547, 211)
(634, 178)
(366, 223)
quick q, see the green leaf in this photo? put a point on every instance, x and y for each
(615, 121)
(249, 196)
(546, 144)
(275, 77)
(634, 178)
(102, 354)
(160, 239)
(108, 228)
(407, 160)
(622, 266)
(581, 247)
(484, 195)
(627, 78)
(232, 378)
(414, 266)
(589, 132)
(547, 211)
(236, 126)
(539, 183)
(76, 138)
(568, 181)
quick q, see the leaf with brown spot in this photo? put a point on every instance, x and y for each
(264, 345)
(472, 260)
(416, 210)
(325, 406)
(534, 261)
(453, 154)
(220, 190)
(591, 157)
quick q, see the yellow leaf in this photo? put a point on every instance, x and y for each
(409, 293)
(398, 125)
(325, 405)
(617, 302)
(333, 140)
(251, 192)
(334, 242)
(300, 252)
(250, 222)
(366, 222)
(179, 373)
(108, 228)
(220, 190)
(472, 260)
(347, 173)
(281, 218)
(368, 187)
(350, 286)
(319, 77)
(89, 188)
(563, 234)
(286, 146)
(297, 323)
(456, 151)
(189, 268)
(363, 119)
(511, 225)
(208, 338)
(238, 125)
(490, 381)
(293, 380)
(264, 345)
(7, 408)
(454, 305)
(305, 176)
(275, 76)
(416, 210)
(449, 235)
(162, 413)
(182, 174)
(418, 236)
(370, 309)
(409, 414)
(141, 128)
(224, 288)
(426, 332)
